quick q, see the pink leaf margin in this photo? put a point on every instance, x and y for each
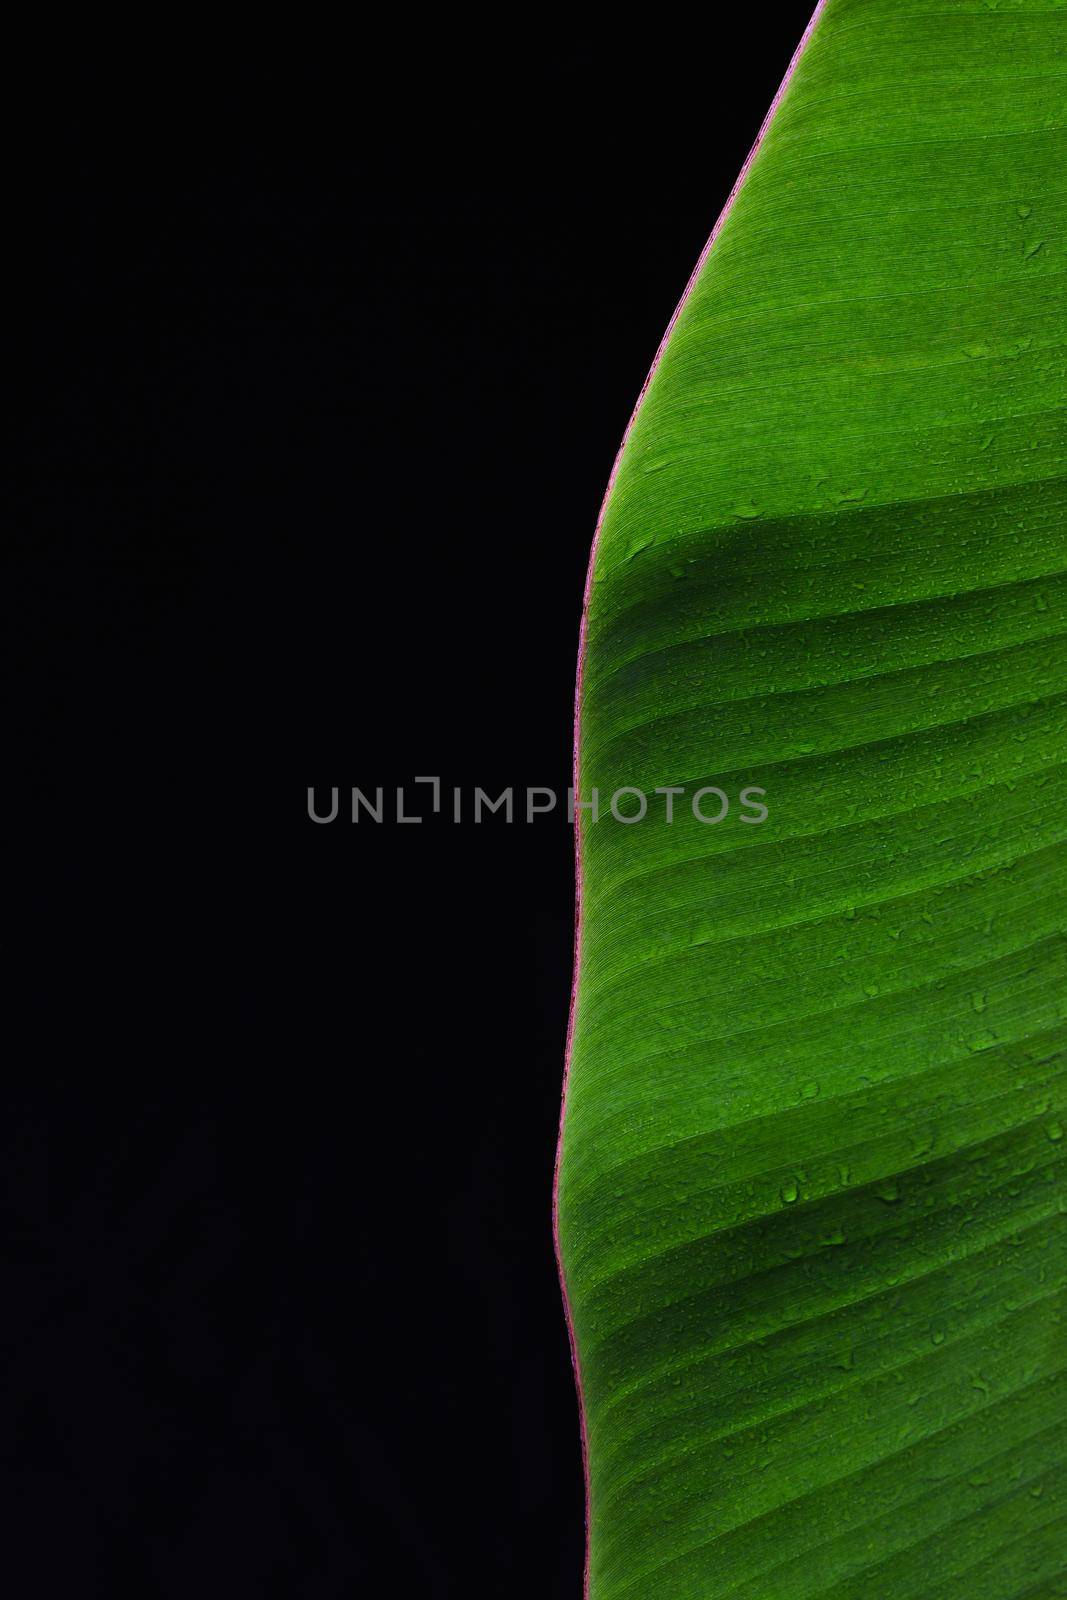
(582, 637)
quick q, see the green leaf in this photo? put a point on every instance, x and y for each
(811, 1193)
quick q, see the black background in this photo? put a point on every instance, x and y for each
(324, 353)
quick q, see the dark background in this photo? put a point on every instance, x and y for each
(322, 358)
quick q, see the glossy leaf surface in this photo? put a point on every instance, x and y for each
(811, 1189)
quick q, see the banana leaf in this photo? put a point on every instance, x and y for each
(810, 1190)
